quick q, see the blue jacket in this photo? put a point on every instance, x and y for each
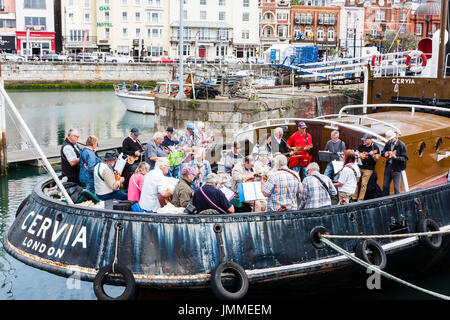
(88, 157)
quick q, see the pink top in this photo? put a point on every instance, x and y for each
(134, 192)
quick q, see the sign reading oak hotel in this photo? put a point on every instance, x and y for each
(104, 24)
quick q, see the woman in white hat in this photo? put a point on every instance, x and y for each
(396, 156)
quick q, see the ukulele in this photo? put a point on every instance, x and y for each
(390, 154)
(132, 159)
(364, 155)
(299, 150)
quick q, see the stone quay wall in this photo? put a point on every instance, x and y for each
(75, 72)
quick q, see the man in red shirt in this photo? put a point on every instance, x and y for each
(300, 139)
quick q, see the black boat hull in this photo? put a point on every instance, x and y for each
(179, 252)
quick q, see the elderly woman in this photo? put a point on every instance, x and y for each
(137, 181)
(347, 181)
(155, 149)
(201, 166)
(183, 193)
(203, 137)
(88, 161)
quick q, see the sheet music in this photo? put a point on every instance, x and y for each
(252, 191)
(170, 182)
(229, 194)
(337, 165)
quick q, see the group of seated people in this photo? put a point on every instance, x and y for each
(175, 171)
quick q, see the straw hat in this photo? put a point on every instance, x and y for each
(390, 134)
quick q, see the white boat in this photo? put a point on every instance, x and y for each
(142, 101)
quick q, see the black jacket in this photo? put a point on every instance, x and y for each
(129, 147)
(398, 164)
(66, 168)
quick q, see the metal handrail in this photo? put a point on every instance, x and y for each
(390, 105)
(363, 117)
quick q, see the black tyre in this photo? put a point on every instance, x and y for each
(240, 283)
(22, 204)
(427, 225)
(371, 252)
(100, 279)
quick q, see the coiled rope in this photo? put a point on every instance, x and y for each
(376, 269)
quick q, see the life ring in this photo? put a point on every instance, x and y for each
(427, 225)
(374, 60)
(377, 257)
(217, 286)
(22, 204)
(416, 54)
(99, 281)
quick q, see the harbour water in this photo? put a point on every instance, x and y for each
(50, 114)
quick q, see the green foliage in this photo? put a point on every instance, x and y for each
(194, 104)
(105, 86)
(408, 41)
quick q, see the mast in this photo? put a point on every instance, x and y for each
(442, 39)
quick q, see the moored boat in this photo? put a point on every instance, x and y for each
(142, 101)
(266, 250)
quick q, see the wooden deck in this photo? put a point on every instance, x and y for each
(31, 156)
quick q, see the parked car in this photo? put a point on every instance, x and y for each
(86, 57)
(54, 57)
(13, 57)
(231, 59)
(255, 60)
(100, 56)
(119, 58)
(164, 59)
(195, 60)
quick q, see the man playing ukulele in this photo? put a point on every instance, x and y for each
(299, 143)
(396, 157)
(369, 154)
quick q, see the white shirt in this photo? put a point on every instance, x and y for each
(154, 183)
(348, 178)
(69, 152)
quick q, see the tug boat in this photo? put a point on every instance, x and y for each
(232, 254)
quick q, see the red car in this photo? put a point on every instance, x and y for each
(164, 59)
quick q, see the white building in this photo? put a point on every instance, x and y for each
(245, 22)
(135, 27)
(35, 27)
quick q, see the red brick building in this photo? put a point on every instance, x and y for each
(318, 25)
(427, 19)
(274, 22)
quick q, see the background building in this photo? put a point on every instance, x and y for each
(351, 36)
(8, 25)
(245, 22)
(274, 22)
(35, 28)
(426, 19)
(316, 25)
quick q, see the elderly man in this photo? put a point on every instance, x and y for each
(155, 149)
(183, 192)
(317, 189)
(262, 165)
(282, 187)
(277, 142)
(70, 157)
(233, 157)
(396, 156)
(335, 145)
(189, 140)
(208, 198)
(156, 184)
(369, 154)
(105, 182)
(131, 145)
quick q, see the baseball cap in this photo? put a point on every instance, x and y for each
(367, 136)
(190, 126)
(135, 131)
(301, 124)
(170, 129)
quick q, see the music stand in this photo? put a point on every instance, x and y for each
(300, 161)
(328, 156)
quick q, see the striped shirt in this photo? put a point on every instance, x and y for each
(314, 195)
(283, 187)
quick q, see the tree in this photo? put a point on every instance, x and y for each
(297, 2)
(408, 41)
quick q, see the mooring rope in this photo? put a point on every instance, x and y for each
(376, 269)
(383, 236)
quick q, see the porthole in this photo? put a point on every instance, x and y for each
(438, 144)
(421, 149)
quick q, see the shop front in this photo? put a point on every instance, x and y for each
(40, 42)
(245, 50)
(8, 44)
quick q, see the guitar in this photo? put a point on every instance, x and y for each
(299, 150)
(132, 159)
(163, 201)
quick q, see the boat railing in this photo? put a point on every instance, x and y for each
(391, 105)
(359, 117)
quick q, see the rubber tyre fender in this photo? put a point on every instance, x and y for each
(217, 286)
(380, 255)
(22, 204)
(130, 283)
(424, 226)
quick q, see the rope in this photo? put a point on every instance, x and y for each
(376, 269)
(115, 261)
(380, 236)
